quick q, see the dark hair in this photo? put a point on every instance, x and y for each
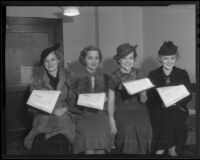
(83, 53)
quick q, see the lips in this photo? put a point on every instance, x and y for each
(51, 67)
(127, 65)
(169, 65)
(93, 65)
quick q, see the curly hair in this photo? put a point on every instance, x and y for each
(84, 52)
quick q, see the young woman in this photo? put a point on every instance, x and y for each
(128, 116)
(169, 130)
(92, 125)
(51, 76)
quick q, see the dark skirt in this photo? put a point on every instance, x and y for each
(134, 128)
(56, 145)
(93, 133)
(172, 129)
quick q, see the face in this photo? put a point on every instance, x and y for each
(168, 62)
(126, 63)
(92, 60)
(51, 62)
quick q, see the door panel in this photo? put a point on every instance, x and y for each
(23, 52)
(25, 39)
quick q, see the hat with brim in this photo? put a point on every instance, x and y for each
(47, 51)
(167, 49)
(123, 50)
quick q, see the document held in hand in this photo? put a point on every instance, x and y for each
(137, 86)
(44, 100)
(172, 94)
(92, 100)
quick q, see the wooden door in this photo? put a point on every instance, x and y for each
(25, 39)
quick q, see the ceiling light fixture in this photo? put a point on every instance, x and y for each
(71, 11)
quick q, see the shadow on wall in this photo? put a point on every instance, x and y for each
(148, 65)
(109, 65)
(77, 68)
(64, 18)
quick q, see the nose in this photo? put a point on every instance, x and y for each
(94, 61)
(128, 61)
(169, 61)
(49, 64)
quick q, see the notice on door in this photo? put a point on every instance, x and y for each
(27, 74)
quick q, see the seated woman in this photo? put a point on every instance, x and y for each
(169, 129)
(92, 125)
(128, 116)
(51, 76)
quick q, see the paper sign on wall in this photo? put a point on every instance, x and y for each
(27, 74)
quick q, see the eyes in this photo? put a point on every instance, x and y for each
(50, 60)
(127, 58)
(166, 58)
(91, 57)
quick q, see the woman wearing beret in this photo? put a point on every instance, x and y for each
(51, 76)
(92, 125)
(169, 130)
(128, 116)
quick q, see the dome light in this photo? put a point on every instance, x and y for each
(71, 11)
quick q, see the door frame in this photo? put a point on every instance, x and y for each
(57, 31)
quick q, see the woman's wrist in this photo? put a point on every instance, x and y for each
(111, 118)
(60, 111)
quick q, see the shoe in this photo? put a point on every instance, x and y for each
(172, 152)
(160, 152)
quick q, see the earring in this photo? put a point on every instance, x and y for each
(159, 60)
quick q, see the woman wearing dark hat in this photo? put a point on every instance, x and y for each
(128, 116)
(169, 130)
(92, 125)
(50, 76)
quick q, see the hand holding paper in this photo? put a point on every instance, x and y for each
(93, 100)
(172, 94)
(60, 111)
(137, 86)
(43, 99)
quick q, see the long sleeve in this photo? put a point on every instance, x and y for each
(186, 81)
(72, 97)
(153, 97)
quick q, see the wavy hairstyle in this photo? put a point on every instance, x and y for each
(83, 53)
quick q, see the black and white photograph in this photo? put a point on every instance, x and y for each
(100, 80)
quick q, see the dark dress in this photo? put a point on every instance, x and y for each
(132, 118)
(92, 125)
(168, 124)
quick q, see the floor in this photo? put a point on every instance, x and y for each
(14, 146)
